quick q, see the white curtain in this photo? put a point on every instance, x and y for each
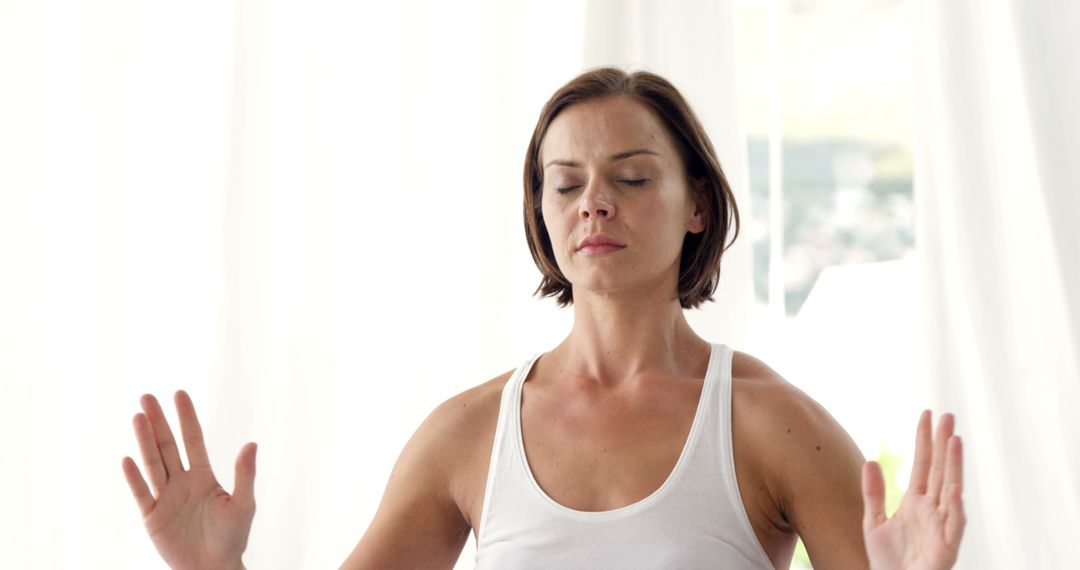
(307, 214)
(997, 187)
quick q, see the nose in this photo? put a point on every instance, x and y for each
(596, 203)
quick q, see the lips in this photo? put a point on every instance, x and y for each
(599, 243)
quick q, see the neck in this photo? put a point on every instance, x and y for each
(617, 339)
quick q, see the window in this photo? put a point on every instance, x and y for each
(824, 97)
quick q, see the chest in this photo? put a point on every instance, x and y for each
(591, 454)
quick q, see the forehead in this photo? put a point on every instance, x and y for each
(600, 128)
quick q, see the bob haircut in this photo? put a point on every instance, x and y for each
(699, 261)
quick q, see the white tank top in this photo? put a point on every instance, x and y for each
(694, 520)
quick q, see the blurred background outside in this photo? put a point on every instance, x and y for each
(827, 84)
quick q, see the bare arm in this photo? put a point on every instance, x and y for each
(820, 484)
(816, 468)
(418, 523)
(841, 531)
(808, 463)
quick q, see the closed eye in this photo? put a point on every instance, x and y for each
(635, 183)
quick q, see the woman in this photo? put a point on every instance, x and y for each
(632, 444)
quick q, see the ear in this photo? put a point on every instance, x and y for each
(699, 215)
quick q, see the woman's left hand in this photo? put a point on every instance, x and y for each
(925, 531)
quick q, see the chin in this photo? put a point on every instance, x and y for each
(602, 284)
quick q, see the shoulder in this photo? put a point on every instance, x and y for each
(459, 435)
(451, 431)
(449, 437)
(810, 463)
(795, 429)
(421, 521)
(469, 411)
(774, 407)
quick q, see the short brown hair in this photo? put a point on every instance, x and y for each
(699, 262)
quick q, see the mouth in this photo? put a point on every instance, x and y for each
(599, 244)
(599, 249)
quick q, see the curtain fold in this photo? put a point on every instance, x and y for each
(996, 188)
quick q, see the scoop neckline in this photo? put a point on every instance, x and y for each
(659, 492)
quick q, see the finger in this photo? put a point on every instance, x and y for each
(138, 486)
(191, 431)
(244, 489)
(954, 465)
(873, 491)
(163, 435)
(955, 519)
(921, 467)
(937, 468)
(151, 455)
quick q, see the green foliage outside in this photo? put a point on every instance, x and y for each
(889, 462)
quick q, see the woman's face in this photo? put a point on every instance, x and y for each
(612, 172)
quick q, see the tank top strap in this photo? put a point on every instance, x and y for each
(502, 451)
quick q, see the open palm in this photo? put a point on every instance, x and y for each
(190, 518)
(925, 531)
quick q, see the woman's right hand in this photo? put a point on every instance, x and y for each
(190, 518)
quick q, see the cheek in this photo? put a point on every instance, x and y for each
(657, 208)
(555, 218)
(665, 213)
(548, 219)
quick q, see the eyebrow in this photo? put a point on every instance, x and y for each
(614, 157)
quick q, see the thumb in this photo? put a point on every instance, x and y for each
(244, 489)
(873, 491)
